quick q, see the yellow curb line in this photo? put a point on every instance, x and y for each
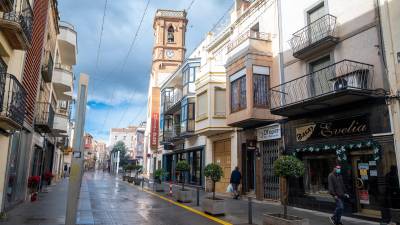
(189, 209)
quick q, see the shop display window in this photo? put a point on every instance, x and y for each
(316, 176)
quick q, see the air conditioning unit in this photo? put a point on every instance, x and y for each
(340, 84)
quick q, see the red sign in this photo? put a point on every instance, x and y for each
(364, 197)
(154, 131)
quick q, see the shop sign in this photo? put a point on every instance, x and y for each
(154, 131)
(364, 197)
(269, 132)
(336, 128)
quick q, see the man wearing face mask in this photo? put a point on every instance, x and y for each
(338, 191)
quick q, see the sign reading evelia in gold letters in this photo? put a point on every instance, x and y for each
(335, 128)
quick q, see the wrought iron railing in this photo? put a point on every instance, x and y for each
(44, 114)
(176, 132)
(248, 35)
(24, 18)
(172, 100)
(343, 75)
(313, 32)
(12, 98)
(63, 67)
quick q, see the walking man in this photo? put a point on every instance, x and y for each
(236, 176)
(338, 191)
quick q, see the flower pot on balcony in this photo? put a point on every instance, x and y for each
(280, 219)
(184, 196)
(213, 206)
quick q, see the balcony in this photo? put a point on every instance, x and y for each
(67, 43)
(47, 69)
(250, 37)
(44, 118)
(173, 104)
(60, 126)
(12, 102)
(6, 5)
(315, 37)
(341, 83)
(17, 26)
(62, 81)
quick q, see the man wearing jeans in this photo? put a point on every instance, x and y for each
(338, 191)
(236, 176)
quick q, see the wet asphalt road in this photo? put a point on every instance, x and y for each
(115, 202)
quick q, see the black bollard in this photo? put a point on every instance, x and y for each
(142, 183)
(250, 212)
(198, 196)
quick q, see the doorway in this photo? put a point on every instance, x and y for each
(365, 178)
(222, 157)
(248, 168)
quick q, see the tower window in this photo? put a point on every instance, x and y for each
(170, 34)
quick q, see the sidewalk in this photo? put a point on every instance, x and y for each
(237, 210)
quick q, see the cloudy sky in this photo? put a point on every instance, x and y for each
(118, 94)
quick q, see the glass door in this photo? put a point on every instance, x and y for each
(365, 175)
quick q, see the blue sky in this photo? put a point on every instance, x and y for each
(117, 96)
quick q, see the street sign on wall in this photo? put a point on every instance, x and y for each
(269, 132)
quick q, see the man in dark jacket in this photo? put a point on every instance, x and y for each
(338, 191)
(236, 176)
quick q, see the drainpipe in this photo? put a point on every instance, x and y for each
(281, 62)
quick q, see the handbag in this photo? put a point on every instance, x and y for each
(229, 189)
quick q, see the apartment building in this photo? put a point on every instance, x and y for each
(15, 39)
(332, 93)
(140, 142)
(177, 123)
(168, 54)
(126, 135)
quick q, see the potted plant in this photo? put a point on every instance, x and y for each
(183, 195)
(285, 167)
(158, 177)
(138, 170)
(33, 185)
(130, 168)
(48, 176)
(213, 205)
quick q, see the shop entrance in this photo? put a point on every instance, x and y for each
(365, 177)
(222, 156)
(248, 165)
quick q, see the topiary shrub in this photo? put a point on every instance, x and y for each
(285, 167)
(159, 175)
(215, 173)
(182, 167)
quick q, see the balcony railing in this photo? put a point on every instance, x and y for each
(313, 33)
(12, 99)
(176, 132)
(24, 18)
(343, 75)
(6, 5)
(44, 119)
(172, 101)
(248, 35)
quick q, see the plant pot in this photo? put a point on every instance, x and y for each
(278, 219)
(159, 187)
(213, 207)
(130, 179)
(137, 181)
(184, 196)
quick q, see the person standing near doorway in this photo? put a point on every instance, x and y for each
(236, 176)
(338, 191)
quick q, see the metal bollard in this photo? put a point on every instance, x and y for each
(142, 183)
(198, 197)
(250, 212)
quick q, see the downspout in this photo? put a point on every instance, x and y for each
(281, 62)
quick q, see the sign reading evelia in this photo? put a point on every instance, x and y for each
(269, 132)
(335, 128)
(154, 131)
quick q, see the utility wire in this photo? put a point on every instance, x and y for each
(126, 59)
(190, 5)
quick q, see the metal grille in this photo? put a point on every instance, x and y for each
(270, 152)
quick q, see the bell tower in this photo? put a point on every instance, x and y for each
(169, 42)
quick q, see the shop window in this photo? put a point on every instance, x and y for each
(238, 94)
(171, 38)
(316, 176)
(219, 104)
(202, 106)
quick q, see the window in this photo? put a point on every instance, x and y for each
(316, 177)
(188, 79)
(202, 106)
(238, 92)
(317, 30)
(219, 109)
(187, 116)
(260, 86)
(321, 77)
(115, 137)
(124, 138)
(170, 35)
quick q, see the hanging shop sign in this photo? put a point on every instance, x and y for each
(335, 128)
(154, 131)
(269, 132)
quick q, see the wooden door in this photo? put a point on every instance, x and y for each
(222, 156)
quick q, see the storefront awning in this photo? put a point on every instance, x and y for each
(342, 149)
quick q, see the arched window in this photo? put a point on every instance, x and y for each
(170, 34)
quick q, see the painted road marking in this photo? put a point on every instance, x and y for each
(215, 219)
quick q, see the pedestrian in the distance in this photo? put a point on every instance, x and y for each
(338, 191)
(236, 176)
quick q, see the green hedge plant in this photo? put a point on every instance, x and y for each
(214, 173)
(285, 167)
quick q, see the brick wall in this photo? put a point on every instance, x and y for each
(32, 67)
